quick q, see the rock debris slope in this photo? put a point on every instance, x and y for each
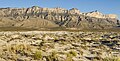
(55, 17)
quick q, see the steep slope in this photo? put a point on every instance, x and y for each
(36, 23)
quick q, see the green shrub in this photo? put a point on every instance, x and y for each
(73, 53)
(38, 55)
(70, 55)
(52, 57)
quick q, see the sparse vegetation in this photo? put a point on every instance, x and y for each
(38, 55)
(59, 46)
(73, 53)
(111, 59)
(52, 57)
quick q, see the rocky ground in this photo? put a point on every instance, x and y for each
(59, 46)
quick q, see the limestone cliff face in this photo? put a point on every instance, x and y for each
(56, 17)
(100, 15)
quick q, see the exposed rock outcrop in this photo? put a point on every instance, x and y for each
(56, 17)
(100, 15)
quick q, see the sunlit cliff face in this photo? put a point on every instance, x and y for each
(36, 9)
(100, 15)
(35, 16)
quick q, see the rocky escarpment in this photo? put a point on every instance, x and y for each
(55, 17)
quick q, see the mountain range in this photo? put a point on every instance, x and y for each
(38, 17)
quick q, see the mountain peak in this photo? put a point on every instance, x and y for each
(74, 9)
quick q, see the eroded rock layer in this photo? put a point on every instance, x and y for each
(55, 17)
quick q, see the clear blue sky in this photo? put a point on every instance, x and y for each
(104, 6)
